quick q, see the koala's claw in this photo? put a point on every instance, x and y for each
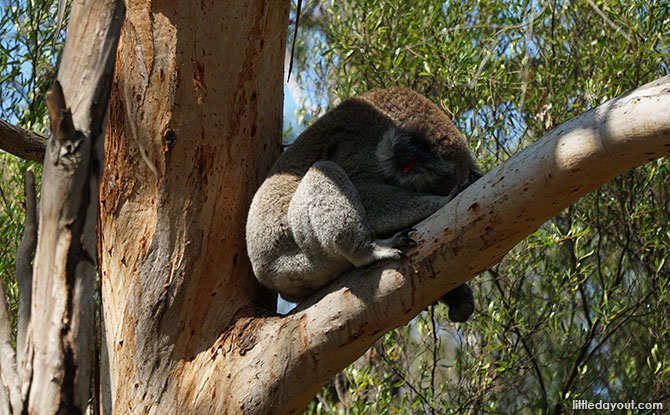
(393, 247)
(401, 240)
(474, 176)
(400, 255)
(404, 242)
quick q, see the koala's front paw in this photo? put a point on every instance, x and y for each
(461, 302)
(395, 246)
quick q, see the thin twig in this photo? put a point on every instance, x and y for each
(24, 270)
(521, 337)
(295, 35)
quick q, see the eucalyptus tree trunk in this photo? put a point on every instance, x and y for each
(195, 122)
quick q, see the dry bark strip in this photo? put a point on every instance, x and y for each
(58, 361)
(55, 344)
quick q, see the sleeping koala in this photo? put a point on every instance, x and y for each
(346, 192)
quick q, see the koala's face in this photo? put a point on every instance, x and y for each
(410, 160)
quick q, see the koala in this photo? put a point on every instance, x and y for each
(348, 190)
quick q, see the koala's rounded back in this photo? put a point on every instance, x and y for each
(347, 133)
(350, 133)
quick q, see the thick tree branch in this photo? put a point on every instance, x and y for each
(21, 142)
(467, 236)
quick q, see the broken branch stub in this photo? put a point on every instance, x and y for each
(21, 142)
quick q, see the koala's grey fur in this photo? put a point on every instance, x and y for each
(346, 191)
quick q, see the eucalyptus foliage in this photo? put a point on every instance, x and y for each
(579, 309)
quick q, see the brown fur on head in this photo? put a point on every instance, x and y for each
(364, 126)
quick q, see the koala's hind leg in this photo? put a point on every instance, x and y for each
(461, 302)
(329, 224)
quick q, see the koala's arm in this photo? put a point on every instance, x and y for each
(390, 209)
(328, 220)
(298, 247)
